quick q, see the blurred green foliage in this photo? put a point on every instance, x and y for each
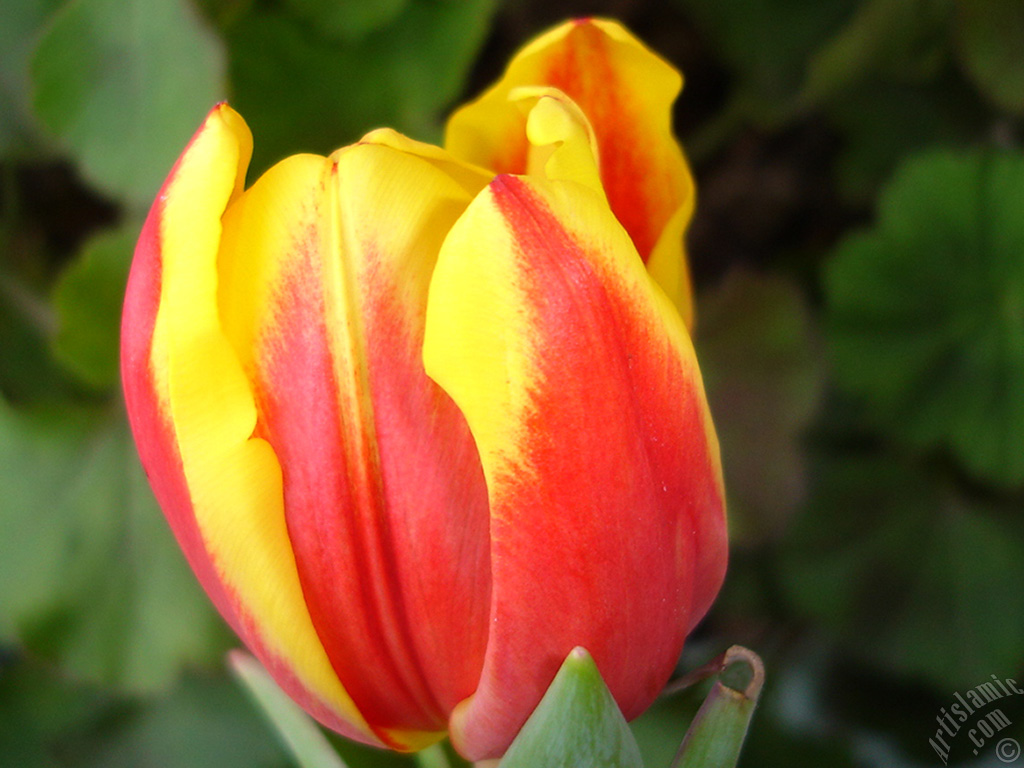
(401, 73)
(933, 296)
(120, 83)
(859, 254)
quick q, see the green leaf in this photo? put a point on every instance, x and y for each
(204, 722)
(989, 39)
(882, 122)
(28, 371)
(763, 378)
(902, 38)
(766, 44)
(124, 84)
(93, 579)
(884, 559)
(296, 729)
(88, 300)
(716, 735)
(40, 710)
(577, 723)
(51, 721)
(20, 23)
(926, 310)
(351, 20)
(301, 92)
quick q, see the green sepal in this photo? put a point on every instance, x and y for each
(577, 724)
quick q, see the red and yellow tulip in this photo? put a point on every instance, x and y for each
(421, 428)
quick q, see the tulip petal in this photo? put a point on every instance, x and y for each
(193, 415)
(626, 92)
(562, 141)
(579, 383)
(326, 265)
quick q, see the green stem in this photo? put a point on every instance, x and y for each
(433, 756)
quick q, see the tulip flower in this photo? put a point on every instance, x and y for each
(626, 91)
(421, 430)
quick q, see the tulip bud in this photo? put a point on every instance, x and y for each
(421, 431)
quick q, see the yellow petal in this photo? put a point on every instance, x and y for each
(626, 92)
(233, 478)
(562, 142)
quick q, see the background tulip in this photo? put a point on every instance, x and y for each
(398, 547)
